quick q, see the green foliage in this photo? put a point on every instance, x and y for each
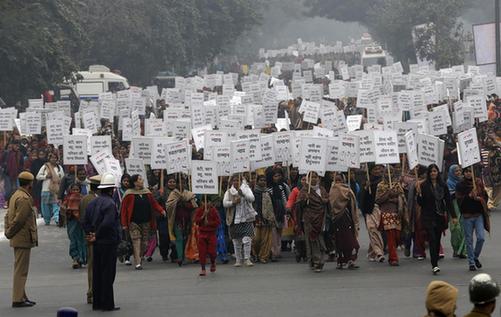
(42, 41)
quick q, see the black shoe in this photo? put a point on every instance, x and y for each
(473, 268)
(30, 301)
(112, 309)
(21, 304)
(478, 264)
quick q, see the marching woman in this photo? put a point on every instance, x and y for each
(454, 177)
(180, 207)
(472, 201)
(345, 222)
(435, 200)
(50, 174)
(391, 202)
(312, 205)
(280, 193)
(118, 196)
(137, 216)
(265, 220)
(240, 216)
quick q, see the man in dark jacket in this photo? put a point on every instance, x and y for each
(102, 226)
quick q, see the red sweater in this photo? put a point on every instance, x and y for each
(213, 220)
(128, 208)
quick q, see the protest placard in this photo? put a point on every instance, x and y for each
(253, 138)
(386, 147)
(112, 166)
(204, 177)
(154, 127)
(477, 102)
(313, 154)
(333, 161)
(270, 106)
(75, 150)
(212, 139)
(99, 143)
(90, 121)
(267, 153)
(141, 148)
(177, 156)
(366, 144)
(468, 148)
(136, 167)
(349, 151)
(198, 135)
(98, 160)
(158, 159)
(428, 150)
(32, 123)
(311, 111)
(354, 122)
(55, 132)
(437, 122)
(411, 149)
(402, 128)
(7, 117)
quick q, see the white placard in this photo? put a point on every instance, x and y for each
(198, 135)
(99, 143)
(428, 150)
(98, 161)
(141, 148)
(333, 161)
(89, 121)
(154, 127)
(267, 153)
(386, 147)
(437, 122)
(468, 148)
(204, 177)
(213, 139)
(313, 155)
(7, 117)
(75, 150)
(113, 166)
(402, 128)
(349, 151)
(411, 148)
(282, 143)
(55, 132)
(136, 167)
(32, 123)
(178, 129)
(354, 122)
(158, 159)
(311, 111)
(177, 155)
(366, 143)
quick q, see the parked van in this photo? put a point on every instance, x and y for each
(98, 79)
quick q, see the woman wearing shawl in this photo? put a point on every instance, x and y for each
(265, 220)
(117, 198)
(280, 193)
(240, 216)
(345, 222)
(435, 201)
(50, 174)
(473, 207)
(299, 242)
(312, 204)
(418, 239)
(180, 207)
(391, 202)
(457, 232)
(137, 216)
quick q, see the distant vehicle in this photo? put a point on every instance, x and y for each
(98, 79)
(374, 55)
(165, 79)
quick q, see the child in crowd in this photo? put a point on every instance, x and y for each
(207, 219)
(71, 208)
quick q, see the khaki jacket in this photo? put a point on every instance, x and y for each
(21, 221)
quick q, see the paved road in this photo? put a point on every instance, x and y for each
(275, 289)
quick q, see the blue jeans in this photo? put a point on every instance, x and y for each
(474, 224)
(50, 207)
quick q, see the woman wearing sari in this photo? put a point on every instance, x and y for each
(391, 201)
(454, 177)
(345, 222)
(50, 174)
(180, 207)
(312, 205)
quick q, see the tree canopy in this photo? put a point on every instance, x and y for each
(42, 41)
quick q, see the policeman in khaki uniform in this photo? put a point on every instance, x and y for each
(21, 230)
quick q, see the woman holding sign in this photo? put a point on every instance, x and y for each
(390, 198)
(435, 200)
(137, 216)
(240, 217)
(50, 174)
(312, 206)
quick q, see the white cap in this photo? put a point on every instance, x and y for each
(107, 180)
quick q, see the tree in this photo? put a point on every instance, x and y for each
(38, 42)
(391, 22)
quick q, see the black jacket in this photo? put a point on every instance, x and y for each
(431, 212)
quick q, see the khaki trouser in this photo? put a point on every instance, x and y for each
(21, 267)
(494, 194)
(140, 235)
(261, 246)
(376, 241)
(90, 262)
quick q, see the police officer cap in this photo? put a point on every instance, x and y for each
(96, 180)
(483, 289)
(27, 176)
